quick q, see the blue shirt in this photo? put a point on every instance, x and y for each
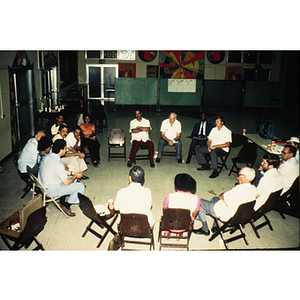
(52, 171)
(29, 155)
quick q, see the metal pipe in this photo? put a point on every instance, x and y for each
(31, 100)
(17, 108)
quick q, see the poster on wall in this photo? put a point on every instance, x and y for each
(182, 85)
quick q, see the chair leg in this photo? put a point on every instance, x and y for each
(58, 207)
(254, 228)
(87, 228)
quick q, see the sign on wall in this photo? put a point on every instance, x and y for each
(182, 85)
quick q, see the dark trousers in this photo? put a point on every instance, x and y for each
(202, 152)
(93, 146)
(144, 145)
(194, 143)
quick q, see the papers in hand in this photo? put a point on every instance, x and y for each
(102, 209)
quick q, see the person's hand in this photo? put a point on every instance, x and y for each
(81, 155)
(171, 143)
(78, 175)
(66, 167)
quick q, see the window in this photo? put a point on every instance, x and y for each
(257, 74)
(251, 57)
(111, 54)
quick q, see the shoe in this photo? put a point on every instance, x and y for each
(67, 210)
(201, 231)
(85, 177)
(152, 164)
(214, 229)
(214, 175)
(129, 164)
(158, 160)
(204, 168)
(95, 163)
(179, 161)
(188, 160)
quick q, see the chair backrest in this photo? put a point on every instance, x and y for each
(87, 207)
(28, 208)
(176, 219)
(271, 202)
(36, 182)
(116, 136)
(243, 213)
(293, 191)
(35, 224)
(134, 225)
(248, 152)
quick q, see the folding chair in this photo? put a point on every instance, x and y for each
(169, 151)
(269, 205)
(247, 155)
(223, 159)
(30, 219)
(46, 195)
(175, 219)
(222, 162)
(89, 211)
(116, 140)
(289, 201)
(135, 226)
(142, 156)
(24, 176)
(242, 215)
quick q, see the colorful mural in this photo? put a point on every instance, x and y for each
(147, 56)
(182, 64)
(234, 73)
(127, 70)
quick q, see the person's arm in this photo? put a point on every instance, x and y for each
(224, 145)
(195, 212)
(81, 155)
(170, 142)
(178, 134)
(140, 129)
(75, 175)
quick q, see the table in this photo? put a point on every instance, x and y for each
(263, 143)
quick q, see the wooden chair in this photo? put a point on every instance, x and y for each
(89, 211)
(142, 156)
(169, 151)
(269, 205)
(116, 140)
(31, 219)
(46, 195)
(175, 219)
(24, 176)
(242, 215)
(247, 155)
(133, 227)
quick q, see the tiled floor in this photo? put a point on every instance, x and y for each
(66, 234)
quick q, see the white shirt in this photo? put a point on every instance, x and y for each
(290, 171)
(272, 181)
(139, 136)
(135, 199)
(241, 193)
(170, 131)
(203, 124)
(57, 137)
(221, 136)
(71, 141)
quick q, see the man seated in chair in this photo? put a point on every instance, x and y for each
(225, 206)
(184, 197)
(218, 144)
(270, 182)
(199, 135)
(28, 161)
(170, 131)
(135, 198)
(289, 168)
(140, 129)
(59, 120)
(57, 180)
(73, 158)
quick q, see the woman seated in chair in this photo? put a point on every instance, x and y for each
(89, 139)
(184, 197)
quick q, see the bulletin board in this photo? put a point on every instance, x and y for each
(136, 91)
(178, 98)
(182, 85)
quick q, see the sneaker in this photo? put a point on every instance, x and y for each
(158, 160)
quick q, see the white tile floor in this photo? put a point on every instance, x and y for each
(66, 234)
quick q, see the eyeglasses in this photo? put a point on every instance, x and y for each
(239, 175)
(284, 152)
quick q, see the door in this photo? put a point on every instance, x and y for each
(101, 81)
